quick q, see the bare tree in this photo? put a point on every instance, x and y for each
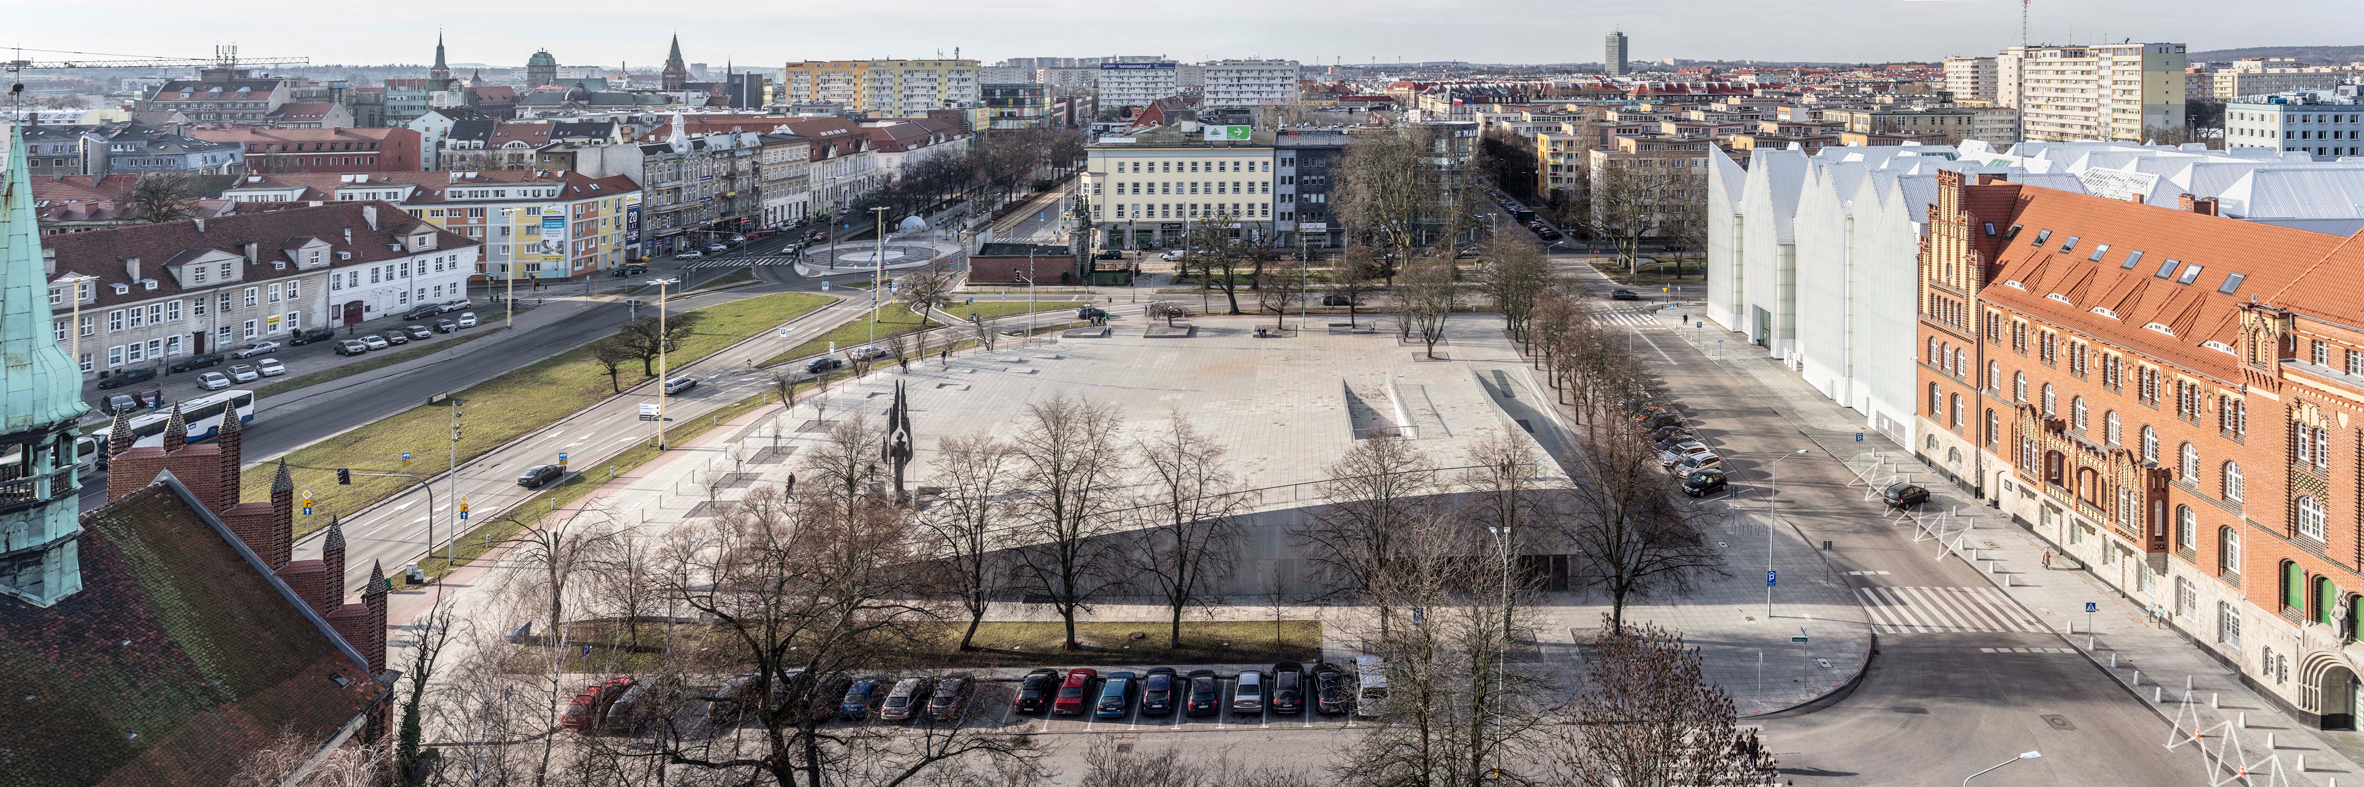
(1645, 717)
(1213, 248)
(158, 197)
(611, 354)
(1387, 190)
(1278, 290)
(927, 289)
(976, 472)
(647, 337)
(1376, 494)
(1429, 295)
(1190, 506)
(430, 634)
(845, 466)
(1168, 312)
(1067, 478)
(1107, 765)
(1640, 198)
(1631, 533)
(983, 332)
(292, 760)
(1355, 277)
(557, 552)
(1514, 276)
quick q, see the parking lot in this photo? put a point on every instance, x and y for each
(297, 360)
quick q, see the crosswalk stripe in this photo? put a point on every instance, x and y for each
(1970, 609)
(1928, 602)
(1948, 609)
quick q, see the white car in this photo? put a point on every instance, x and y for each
(243, 373)
(375, 342)
(866, 353)
(718, 247)
(253, 349)
(270, 367)
(467, 319)
(690, 255)
(1171, 256)
(212, 381)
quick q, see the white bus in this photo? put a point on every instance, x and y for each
(202, 414)
(1371, 695)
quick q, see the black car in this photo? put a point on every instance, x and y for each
(310, 336)
(1670, 430)
(1206, 694)
(632, 270)
(1659, 420)
(198, 361)
(1288, 687)
(1110, 254)
(1705, 482)
(1332, 693)
(422, 310)
(1157, 692)
(1903, 495)
(951, 698)
(128, 377)
(418, 332)
(396, 336)
(1090, 313)
(1034, 691)
(1623, 295)
(820, 365)
(1337, 300)
(116, 404)
(538, 475)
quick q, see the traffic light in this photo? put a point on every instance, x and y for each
(344, 477)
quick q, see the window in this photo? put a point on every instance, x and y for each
(2077, 413)
(2187, 598)
(114, 320)
(172, 310)
(2098, 251)
(2041, 236)
(2109, 426)
(2187, 525)
(2050, 400)
(1955, 413)
(2188, 464)
(274, 294)
(251, 329)
(2232, 485)
(2311, 518)
(1936, 402)
(2228, 624)
(2132, 258)
(1994, 376)
(295, 289)
(2019, 387)
(250, 297)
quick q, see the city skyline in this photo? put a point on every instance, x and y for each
(1390, 31)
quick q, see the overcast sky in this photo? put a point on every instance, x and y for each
(1526, 31)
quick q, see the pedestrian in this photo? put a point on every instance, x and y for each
(944, 357)
(791, 490)
(2047, 559)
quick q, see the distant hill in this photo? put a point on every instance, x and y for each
(2309, 55)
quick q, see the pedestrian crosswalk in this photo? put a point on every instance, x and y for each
(735, 261)
(2027, 650)
(1917, 610)
(1636, 318)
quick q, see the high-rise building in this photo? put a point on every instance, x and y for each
(1136, 80)
(1970, 78)
(1249, 83)
(883, 88)
(1613, 55)
(2323, 123)
(2111, 92)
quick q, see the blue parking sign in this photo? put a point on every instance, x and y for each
(1858, 437)
(1770, 577)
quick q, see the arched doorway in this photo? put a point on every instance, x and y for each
(2337, 693)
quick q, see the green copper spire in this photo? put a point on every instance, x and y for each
(38, 385)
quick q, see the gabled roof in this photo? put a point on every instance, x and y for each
(181, 655)
(101, 253)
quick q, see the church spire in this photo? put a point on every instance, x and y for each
(43, 398)
(441, 70)
(676, 76)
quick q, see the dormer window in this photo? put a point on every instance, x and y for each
(2014, 284)
(2105, 312)
(2218, 346)
(2059, 297)
(2160, 328)
(122, 289)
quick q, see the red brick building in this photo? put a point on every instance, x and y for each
(337, 150)
(2172, 397)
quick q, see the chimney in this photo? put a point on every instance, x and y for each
(2183, 202)
(2205, 206)
(2137, 199)
(282, 517)
(253, 252)
(369, 213)
(131, 267)
(373, 598)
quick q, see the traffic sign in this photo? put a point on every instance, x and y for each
(307, 510)
(406, 458)
(824, 286)
(1858, 437)
(783, 332)
(2090, 606)
(1801, 637)
(561, 462)
(463, 508)
(648, 411)
(1771, 577)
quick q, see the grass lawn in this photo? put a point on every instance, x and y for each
(497, 411)
(365, 364)
(894, 318)
(617, 648)
(740, 276)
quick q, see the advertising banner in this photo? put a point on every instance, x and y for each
(1227, 133)
(631, 219)
(554, 233)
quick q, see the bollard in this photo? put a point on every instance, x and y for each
(2006, 580)
(2244, 720)
(2155, 692)
(2270, 742)
(2088, 641)
(553, 504)
(2137, 678)
(2302, 763)
(2187, 683)
(2113, 660)
(2212, 700)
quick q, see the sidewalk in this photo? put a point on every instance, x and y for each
(2154, 664)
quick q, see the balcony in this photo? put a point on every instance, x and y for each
(27, 492)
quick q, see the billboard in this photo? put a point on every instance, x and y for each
(631, 219)
(1226, 133)
(553, 233)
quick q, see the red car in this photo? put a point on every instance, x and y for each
(1071, 694)
(591, 704)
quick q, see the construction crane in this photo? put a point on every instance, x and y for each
(225, 56)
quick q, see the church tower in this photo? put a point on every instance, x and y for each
(676, 75)
(42, 398)
(441, 70)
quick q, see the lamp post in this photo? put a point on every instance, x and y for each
(2025, 755)
(1502, 656)
(1771, 501)
(509, 274)
(1029, 277)
(877, 271)
(661, 342)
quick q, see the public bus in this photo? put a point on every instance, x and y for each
(202, 414)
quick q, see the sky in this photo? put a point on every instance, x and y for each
(1503, 31)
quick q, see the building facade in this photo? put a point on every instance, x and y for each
(883, 88)
(1249, 83)
(336, 150)
(508, 211)
(1015, 105)
(2260, 76)
(1305, 175)
(1970, 78)
(2325, 124)
(2121, 92)
(1146, 190)
(220, 96)
(787, 185)
(1137, 81)
(1613, 55)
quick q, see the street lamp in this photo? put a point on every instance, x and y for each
(2025, 755)
(1772, 500)
(877, 271)
(1502, 655)
(661, 342)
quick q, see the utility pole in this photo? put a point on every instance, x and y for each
(663, 340)
(454, 475)
(877, 273)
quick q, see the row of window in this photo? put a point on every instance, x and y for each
(1220, 165)
(156, 349)
(1135, 188)
(1252, 210)
(135, 317)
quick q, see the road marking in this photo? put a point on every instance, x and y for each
(1867, 573)
(1924, 609)
(2027, 650)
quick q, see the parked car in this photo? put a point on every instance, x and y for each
(1157, 692)
(212, 381)
(243, 373)
(375, 342)
(422, 310)
(1247, 695)
(1089, 313)
(818, 236)
(351, 347)
(860, 697)
(905, 700)
(446, 326)
(1661, 419)
(270, 367)
(1331, 694)
(629, 711)
(692, 254)
(866, 353)
(1288, 687)
(951, 698)
(821, 365)
(1206, 694)
(538, 475)
(309, 336)
(183, 363)
(1338, 300)
(1670, 432)
(1116, 696)
(679, 384)
(452, 305)
(1070, 701)
(1034, 690)
(418, 332)
(1370, 694)
(128, 377)
(718, 247)
(396, 336)
(118, 403)
(634, 269)
(1670, 456)
(1109, 254)
(733, 702)
(1695, 462)
(467, 319)
(586, 710)
(252, 349)
(1705, 482)
(1904, 495)
(1623, 295)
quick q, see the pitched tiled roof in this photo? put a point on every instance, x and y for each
(2270, 258)
(101, 253)
(309, 110)
(181, 655)
(433, 186)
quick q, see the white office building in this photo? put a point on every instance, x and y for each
(1970, 78)
(1249, 83)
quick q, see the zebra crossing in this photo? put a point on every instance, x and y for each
(1630, 317)
(1921, 610)
(733, 262)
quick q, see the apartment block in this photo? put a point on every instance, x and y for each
(2260, 76)
(2325, 124)
(1147, 190)
(1249, 83)
(883, 88)
(2108, 92)
(1970, 78)
(1137, 81)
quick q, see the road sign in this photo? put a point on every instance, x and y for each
(562, 459)
(463, 508)
(307, 510)
(824, 286)
(406, 458)
(1418, 613)
(1858, 437)
(2090, 606)
(648, 411)
(783, 332)
(1771, 577)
